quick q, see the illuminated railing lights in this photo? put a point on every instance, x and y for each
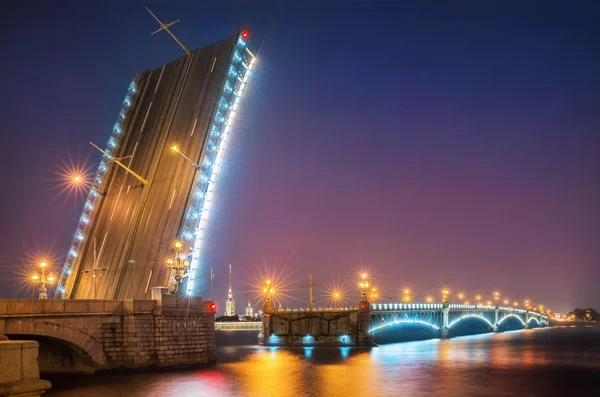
(228, 104)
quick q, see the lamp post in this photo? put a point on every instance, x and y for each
(178, 265)
(445, 293)
(40, 278)
(189, 160)
(268, 291)
(336, 297)
(406, 295)
(364, 291)
(374, 295)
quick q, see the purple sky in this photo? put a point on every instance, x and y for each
(432, 143)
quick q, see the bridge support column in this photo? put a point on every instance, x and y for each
(363, 336)
(495, 327)
(445, 328)
(527, 319)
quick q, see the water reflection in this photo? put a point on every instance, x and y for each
(504, 364)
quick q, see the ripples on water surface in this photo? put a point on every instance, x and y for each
(542, 362)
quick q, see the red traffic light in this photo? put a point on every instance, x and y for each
(362, 305)
(245, 34)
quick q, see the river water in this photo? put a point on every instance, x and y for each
(559, 361)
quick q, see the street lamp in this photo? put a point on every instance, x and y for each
(336, 297)
(177, 264)
(364, 287)
(40, 278)
(374, 294)
(176, 149)
(268, 291)
(445, 293)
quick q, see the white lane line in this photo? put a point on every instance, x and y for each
(159, 78)
(172, 197)
(116, 202)
(145, 118)
(126, 213)
(194, 127)
(213, 65)
(133, 154)
(101, 249)
(128, 187)
(148, 284)
(148, 221)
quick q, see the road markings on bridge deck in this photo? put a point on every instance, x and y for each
(146, 118)
(159, 78)
(148, 283)
(194, 127)
(148, 221)
(116, 202)
(131, 158)
(126, 213)
(172, 198)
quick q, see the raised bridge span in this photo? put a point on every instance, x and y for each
(359, 326)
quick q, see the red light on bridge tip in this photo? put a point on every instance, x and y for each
(245, 34)
(213, 307)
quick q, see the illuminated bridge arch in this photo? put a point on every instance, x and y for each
(466, 316)
(511, 315)
(397, 322)
(536, 320)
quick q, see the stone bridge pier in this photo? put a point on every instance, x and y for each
(87, 335)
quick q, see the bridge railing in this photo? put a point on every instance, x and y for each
(407, 306)
(320, 309)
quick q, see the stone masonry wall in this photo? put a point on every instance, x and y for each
(105, 334)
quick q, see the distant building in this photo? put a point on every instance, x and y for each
(230, 303)
(249, 310)
(562, 316)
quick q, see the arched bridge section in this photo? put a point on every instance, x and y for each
(87, 335)
(357, 326)
(447, 317)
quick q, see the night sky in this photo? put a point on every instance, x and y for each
(431, 143)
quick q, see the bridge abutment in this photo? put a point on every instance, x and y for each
(316, 328)
(107, 334)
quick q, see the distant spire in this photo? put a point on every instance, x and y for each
(230, 289)
(230, 303)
